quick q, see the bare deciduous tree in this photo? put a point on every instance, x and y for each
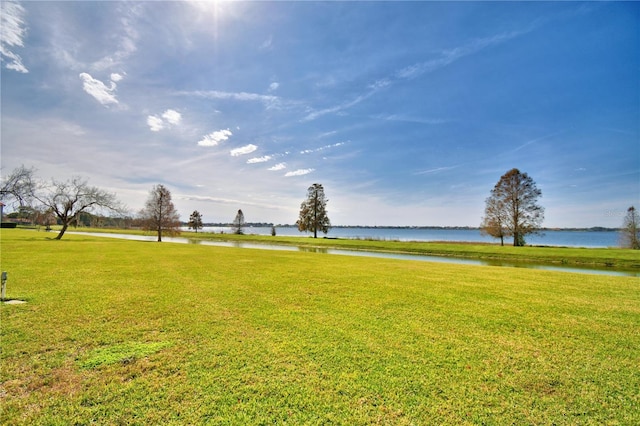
(19, 186)
(313, 212)
(493, 222)
(513, 206)
(68, 199)
(159, 213)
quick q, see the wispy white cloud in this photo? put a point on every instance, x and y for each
(100, 91)
(74, 51)
(243, 150)
(115, 77)
(12, 32)
(168, 118)
(274, 86)
(155, 123)
(534, 141)
(446, 58)
(299, 172)
(436, 170)
(268, 43)
(126, 35)
(16, 61)
(269, 100)
(279, 166)
(228, 201)
(13, 26)
(313, 115)
(172, 116)
(380, 84)
(327, 134)
(262, 159)
(322, 148)
(214, 138)
(410, 119)
(450, 56)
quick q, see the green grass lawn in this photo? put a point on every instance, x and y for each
(125, 332)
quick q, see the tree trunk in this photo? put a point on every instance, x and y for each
(159, 234)
(518, 239)
(315, 215)
(65, 225)
(502, 240)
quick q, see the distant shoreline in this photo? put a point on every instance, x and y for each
(469, 228)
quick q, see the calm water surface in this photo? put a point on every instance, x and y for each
(399, 256)
(549, 238)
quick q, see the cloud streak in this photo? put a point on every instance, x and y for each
(12, 32)
(168, 118)
(277, 167)
(98, 90)
(446, 57)
(262, 159)
(155, 123)
(268, 100)
(228, 201)
(214, 138)
(410, 119)
(172, 116)
(346, 105)
(127, 36)
(322, 148)
(299, 172)
(243, 150)
(115, 77)
(534, 141)
(436, 170)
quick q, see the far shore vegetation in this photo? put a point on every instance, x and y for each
(511, 210)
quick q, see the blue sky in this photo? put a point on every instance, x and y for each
(407, 112)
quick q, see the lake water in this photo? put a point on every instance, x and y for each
(548, 238)
(400, 256)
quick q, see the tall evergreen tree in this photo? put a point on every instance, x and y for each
(195, 221)
(313, 212)
(238, 223)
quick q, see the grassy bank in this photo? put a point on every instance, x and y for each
(614, 258)
(123, 332)
(599, 257)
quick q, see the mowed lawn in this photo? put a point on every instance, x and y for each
(126, 332)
